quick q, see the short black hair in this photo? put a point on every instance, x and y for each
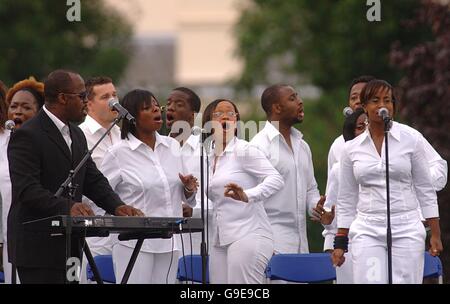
(348, 130)
(57, 82)
(271, 96)
(133, 102)
(194, 100)
(95, 81)
(360, 79)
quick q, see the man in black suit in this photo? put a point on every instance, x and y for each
(41, 154)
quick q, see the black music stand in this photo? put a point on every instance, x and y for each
(387, 127)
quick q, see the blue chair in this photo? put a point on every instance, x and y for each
(105, 267)
(301, 268)
(2, 277)
(190, 269)
(432, 267)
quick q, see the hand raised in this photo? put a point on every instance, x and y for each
(235, 192)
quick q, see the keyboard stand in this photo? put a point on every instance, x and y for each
(90, 258)
(140, 237)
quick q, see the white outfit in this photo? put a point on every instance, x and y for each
(438, 171)
(190, 153)
(242, 240)
(93, 131)
(148, 180)
(344, 273)
(361, 204)
(287, 208)
(5, 191)
(334, 154)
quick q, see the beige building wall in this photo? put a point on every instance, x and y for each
(202, 31)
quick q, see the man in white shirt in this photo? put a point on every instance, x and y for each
(99, 118)
(284, 146)
(356, 86)
(182, 106)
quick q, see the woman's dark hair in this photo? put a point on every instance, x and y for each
(372, 87)
(348, 131)
(207, 114)
(134, 101)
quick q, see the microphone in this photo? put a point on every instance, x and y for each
(10, 125)
(384, 114)
(197, 130)
(347, 111)
(115, 105)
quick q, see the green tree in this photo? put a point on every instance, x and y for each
(425, 92)
(36, 38)
(330, 42)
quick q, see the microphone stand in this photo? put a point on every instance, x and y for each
(203, 252)
(387, 126)
(68, 186)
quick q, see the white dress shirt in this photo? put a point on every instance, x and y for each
(93, 131)
(5, 181)
(246, 166)
(362, 182)
(334, 154)
(148, 180)
(288, 208)
(62, 127)
(438, 170)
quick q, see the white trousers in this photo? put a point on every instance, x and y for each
(150, 268)
(344, 273)
(369, 249)
(241, 262)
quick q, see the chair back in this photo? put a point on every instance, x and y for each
(190, 269)
(105, 267)
(301, 268)
(432, 267)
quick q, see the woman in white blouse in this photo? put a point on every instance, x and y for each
(146, 170)
(240, 179)
(361, 206)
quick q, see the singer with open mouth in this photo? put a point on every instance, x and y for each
(241, 177)
(146, 170)
(361, 204)
(23, 102)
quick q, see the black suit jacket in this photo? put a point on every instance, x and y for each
(39, 161)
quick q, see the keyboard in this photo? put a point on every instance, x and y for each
(129, 227)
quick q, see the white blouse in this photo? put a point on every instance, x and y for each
(5, 181)
(362, 182)
(246, 166)
(148, 180)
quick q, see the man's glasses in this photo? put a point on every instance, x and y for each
(221, 114)
(82, 95)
